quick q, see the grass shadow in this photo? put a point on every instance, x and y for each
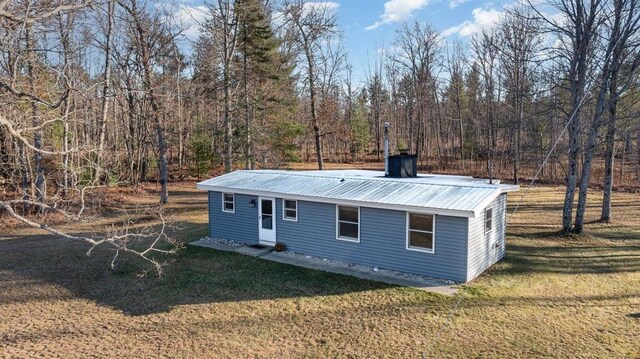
(195, 276)
(570, 258)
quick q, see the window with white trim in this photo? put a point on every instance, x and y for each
(488, 220)
(228, 202)
(420, 229)
(348, 223)
(290, 210)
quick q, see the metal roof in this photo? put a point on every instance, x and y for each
(438, 194)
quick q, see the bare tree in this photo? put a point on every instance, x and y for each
(48, 97)
(90, 94)
(621, 48)
(486, 51)
(313, 25)
(417, 50)
(520, 42)
(626, 61)
(106, 97)
(223, 27)
(454, 96)
(142, 25)
(578, 31)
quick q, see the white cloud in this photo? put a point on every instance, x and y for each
(188, 18)
(320, 5)
(192, 19)
(483, 19)
(398, 10)
(455, 3)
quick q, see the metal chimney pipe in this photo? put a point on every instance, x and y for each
(386, 149)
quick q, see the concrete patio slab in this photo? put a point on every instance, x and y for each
(214, 245)
(364, 272)
(332, 266)
(227, 247)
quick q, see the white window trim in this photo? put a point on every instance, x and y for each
(487, 231)
(433, 233)
(284, 217)
(234, 202)
(352, 240)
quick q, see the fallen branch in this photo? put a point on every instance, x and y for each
(122, 240)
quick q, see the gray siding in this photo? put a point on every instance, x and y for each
(487, 249)
(382, 240)
(382, 236)
(241, 226)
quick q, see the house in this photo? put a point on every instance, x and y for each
(449, 227)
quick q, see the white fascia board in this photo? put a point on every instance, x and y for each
(502, 190)
(397, 207)
(507, 188)
(479, 210)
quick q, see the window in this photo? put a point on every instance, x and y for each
(290, 210)
(420, 229)
(228, 202)
(348, 227)
(488, 220)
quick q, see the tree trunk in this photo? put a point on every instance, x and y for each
(516, 160)
(162, 164)
(638, 152)
(314, 116)
(65, 148)
(228, 50)
(584, 29)
(592, 141)
(611, 67)
(609, 154)
(181, 124)
(104, 108)
(38, 134)
(572, 170)
(228, 129)
(149, 85)
(4, 155)
(247, 114)
(24, 176)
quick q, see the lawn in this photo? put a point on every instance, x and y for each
(553, 296)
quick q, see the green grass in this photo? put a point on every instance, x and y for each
(552, 296)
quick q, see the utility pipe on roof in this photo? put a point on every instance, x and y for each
(386, 149)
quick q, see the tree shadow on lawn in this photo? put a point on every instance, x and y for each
(607, 232)
(554, 301)
(570, 259)
(196, 275)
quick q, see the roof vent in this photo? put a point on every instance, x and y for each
(403, 165)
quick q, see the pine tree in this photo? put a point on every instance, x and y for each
(359, 127)
(266, 75)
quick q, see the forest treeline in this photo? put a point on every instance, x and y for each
(95, 93)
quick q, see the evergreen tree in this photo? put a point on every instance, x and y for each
(359, 127)
(266, 75)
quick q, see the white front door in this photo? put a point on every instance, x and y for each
(267, 220)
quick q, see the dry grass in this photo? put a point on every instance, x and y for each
(552, 297)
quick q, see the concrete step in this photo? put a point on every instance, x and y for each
(246, 250)
(254, 252)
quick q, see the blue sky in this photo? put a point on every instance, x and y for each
(370, 25)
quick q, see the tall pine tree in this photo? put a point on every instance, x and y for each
(266, 76)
